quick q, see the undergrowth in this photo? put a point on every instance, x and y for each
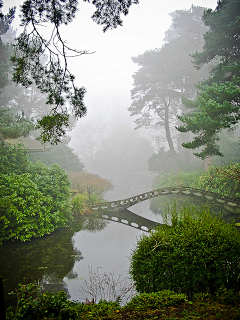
(158, 305)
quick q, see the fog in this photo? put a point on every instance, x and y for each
(107, 74)
(126, 145)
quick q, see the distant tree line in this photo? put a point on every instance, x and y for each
(194, 78)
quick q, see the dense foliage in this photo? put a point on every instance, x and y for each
(217, 104)
(92, 184)
(198, 253)
(224, 180)
(34, 198)
(13, 159)
(159, 305)
(60, 154)
(163, 162)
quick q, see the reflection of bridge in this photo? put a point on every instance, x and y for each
(214, 198)
(131, 219)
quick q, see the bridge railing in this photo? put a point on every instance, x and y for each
(119, 205)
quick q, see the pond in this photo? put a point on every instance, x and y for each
(61, 260)
(76, 259)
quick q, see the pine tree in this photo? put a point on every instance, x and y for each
(167, 73)
(217, 104)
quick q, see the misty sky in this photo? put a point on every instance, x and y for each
(107, 74)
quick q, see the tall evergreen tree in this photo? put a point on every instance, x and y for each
(166, 74)
(217, 104)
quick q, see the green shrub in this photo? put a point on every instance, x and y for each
(159, 305)
(222, 180)
(198, 253)
(77, 204)
(34, 203)
(13, 159)
(156, 300)
(56, 306)
(171, 179)
(32, 306)
(227, 296)
(69, 313)
(23, 214)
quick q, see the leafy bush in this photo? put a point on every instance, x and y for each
(172, 179)
(198, 253)
(92, 184)
(32, 306)
(164, 161)
(53, 181)
(13, 159)
(68, 160)
(156, 300)
(227, 297)
(159, 305)
(223, 180)
(35, 203)
(77, 204)
(21, 206)
(56, 306)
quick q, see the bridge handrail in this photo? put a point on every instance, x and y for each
(160, 191)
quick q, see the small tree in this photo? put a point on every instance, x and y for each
(93, 184)
(198, 253)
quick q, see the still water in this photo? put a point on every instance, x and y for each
(69, 257)
(63, 259)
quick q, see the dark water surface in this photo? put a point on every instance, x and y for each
(63, 259)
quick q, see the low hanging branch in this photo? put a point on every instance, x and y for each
(41, 60)
(45, 60)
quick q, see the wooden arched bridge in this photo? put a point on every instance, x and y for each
(229, 204)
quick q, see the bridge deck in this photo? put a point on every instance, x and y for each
(229, 204)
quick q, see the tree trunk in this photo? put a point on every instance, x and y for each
(207, 163)
(172, 152)
(167, 129)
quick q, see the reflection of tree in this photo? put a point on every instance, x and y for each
(52, 254)
(46, 260)
(50, 282)
(94, 224)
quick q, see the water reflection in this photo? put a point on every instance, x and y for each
(107, 250)
(46, 260)
(61, 260)
(92, 224)
(57, 260)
